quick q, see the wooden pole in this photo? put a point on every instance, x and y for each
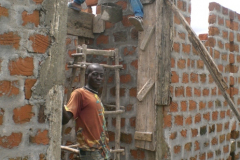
(207, 59)
(70, 149)
(109, 53)
(82, 70)
(118, 117)
(84, 64)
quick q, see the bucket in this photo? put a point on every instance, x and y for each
(111, 12)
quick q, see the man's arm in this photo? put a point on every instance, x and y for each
(66, 116)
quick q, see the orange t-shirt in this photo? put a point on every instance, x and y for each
(88, 111)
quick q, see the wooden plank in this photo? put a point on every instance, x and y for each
(164, 40)
(207, 59)
(147, 35)
(146, 88)
(109, 53)
(146, 109)
(147, 1)
(98, 24)
(143, 136)
(80, 24)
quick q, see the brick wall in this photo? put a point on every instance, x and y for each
(27, 41)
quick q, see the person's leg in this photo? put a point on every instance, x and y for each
(137, 8)
(76, 4)
(79, 2)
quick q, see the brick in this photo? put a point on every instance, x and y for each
(188, 120)
(173, 135)
(226, 148)
(196, 146)
(179, 91)
(225, 34)
(188, 91)
(220, 20)
(176, 47)
(197, 92)
(135, 64)
(31, 18)
(126, 138)
(125, 78)
(184, 133)
(111, 136)
(194, 132)
(125, 21)
(3, 11)
(214, 141)
(197, 118)
(192, 105)
(9, 88)
(127, 51)
(203, 37)
(177, 149)
(213, 31)
(70, 52)
(91, 2)
(132, 121)
(186, 48)
(173, 107)
(210, 78)
(212, 129)
(137, 154)
(179, 120)
(11, 39)
(133, 92)
(22, 66)
(188, 19)
(210, 155)
(167, 121)
(120, 36)
(202, 156)
(181, 63)
(185, 78)
(23, 114)
(202, 105)
(42, 156)
(176, 20)
(172, 62)
(211, 20)
(11, 141)
(210, 104)
(220, 44)
(231, 58)
(182, 5)
(183, 106)
(102, 39)
(214, 6)
(214, 115)
(40, 138)
(40, 43)
(224, 11)
(211, 42)
(200, 64)
(122, 122)
(194, 78)
(203, 77)
(221, 138)
(175, 77)
(206, 116)
(29, 83)
(231, 37)
(206, 92)
(219, 127)
(182, 35)
(188, 146)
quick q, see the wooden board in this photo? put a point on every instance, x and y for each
(146, 110)
(164, 40)
(148, 34)
(80, 24)
(146, 88)
(143, 136)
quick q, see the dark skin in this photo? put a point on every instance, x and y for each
(94, 75)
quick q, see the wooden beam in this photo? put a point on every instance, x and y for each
(143, 136)
(145, 89)
(207, 59)
(109, 53)
(84, 64)
(70, 149)
(147, 35)
(164, 41)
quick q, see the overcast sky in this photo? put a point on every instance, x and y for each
(200, 11)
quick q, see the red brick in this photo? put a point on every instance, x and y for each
(11, 141)
(137, 154)
(29, 83)
(40, 138)
(175, 77)
(214, 141)
(126, 22)
(220, 20)
(179, 91)
(179, 120)
(214, 115)
(231, 37)
(10, 38)
(111, 136)
(221, 138)
(184, 133)
(132, 122)
(172, 62)
(213, 31)
(68, 41)
(188, 146)
(194, 77)
(113, 91)
(135, 64)
(38, 1)
(226, 149)
(211, 20)
(167, 121)
(203, 37)
(125, 78)
(197, 145)
(220, 44)
(176, 20)
(210, 78)
(206, 92)
(224, 11)
(194, 132)
(22, 66)
(70, 52)
(185, 78)
(211, 42)
(182, 35)
(177, 149)
(176, 47)
(214, 5)
(126, 138)
(192, 105)
(197, 118)
(189, 92)
(219, 127)
(9, 88)
(181, 63)
(188, 19)
(231, 58)
(182, 5)
(40, 43)
(188, 120)
(202, 156)
(186, 48)
(1, 116)
(102, 39)
(225, 34)
(173, 135)
(197, 92)
(91, 2)
(3, 11)
(200, 64)
(203, 78)
(183, 106)
(31, 18)
(202, 105)
(23, 114)
(122, 122)
(206, 116)
(133, 92)
(173, 107)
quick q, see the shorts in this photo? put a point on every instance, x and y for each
(91, 155)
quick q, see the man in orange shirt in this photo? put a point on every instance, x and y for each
(86, 108)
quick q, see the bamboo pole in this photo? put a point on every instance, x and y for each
(84, 64)
(105, 88)
(207, 59)
(118, 117)
(70, 149)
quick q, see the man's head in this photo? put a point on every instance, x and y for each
(94, 74)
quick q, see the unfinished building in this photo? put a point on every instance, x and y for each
(174, 104)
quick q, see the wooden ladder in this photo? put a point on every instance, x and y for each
(80, 62)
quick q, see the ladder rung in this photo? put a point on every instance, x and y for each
(70, 149)
(116, 150)
(114, 112)
(109, 53)
(83, 65)
(113, 106)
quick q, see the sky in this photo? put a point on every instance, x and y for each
(200, 12)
